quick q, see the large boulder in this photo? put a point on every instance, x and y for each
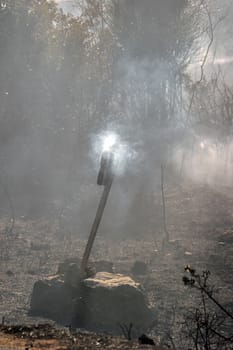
(103, 303)
(52, 299)
(108, 301)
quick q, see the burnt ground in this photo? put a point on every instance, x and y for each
(200, 225)
(49, 337)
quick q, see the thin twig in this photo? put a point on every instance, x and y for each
(212, 28)
(164, 205)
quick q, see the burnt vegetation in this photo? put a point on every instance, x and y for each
(209, 324)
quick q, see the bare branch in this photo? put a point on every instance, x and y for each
(164, 207)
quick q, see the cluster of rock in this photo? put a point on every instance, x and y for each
(101, 302)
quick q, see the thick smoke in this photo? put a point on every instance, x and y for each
(206, 162)
(52, 163)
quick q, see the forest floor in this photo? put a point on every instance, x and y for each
(200, 225)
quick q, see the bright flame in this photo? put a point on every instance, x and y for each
(109, 141)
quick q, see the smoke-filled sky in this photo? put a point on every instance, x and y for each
(222, 49)
(54, 152)
(221, 54)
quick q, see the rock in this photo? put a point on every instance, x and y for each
(103, 266)
(144, 339)
(98, 303)
(64, 266)
(139, 268)
(52, 299)
(9, 273)
(96, 266)
(108, 300)
(72, 275)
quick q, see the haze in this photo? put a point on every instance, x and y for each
(158, 76)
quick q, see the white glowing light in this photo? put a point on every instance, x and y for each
(109, 141)
(202, 145)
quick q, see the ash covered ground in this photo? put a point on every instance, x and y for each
(200, 225)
